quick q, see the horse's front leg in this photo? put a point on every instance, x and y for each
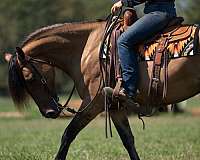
(76, 125)
(121, 123)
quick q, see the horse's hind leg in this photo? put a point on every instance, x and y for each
(121, 123)
(76, 125)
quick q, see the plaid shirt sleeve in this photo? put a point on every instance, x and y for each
(132, 3)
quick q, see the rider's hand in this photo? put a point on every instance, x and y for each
(116, 7)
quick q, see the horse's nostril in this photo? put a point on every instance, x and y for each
(51, 114)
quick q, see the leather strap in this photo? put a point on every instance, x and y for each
(116, 62)
(155, 78)
(130, 17)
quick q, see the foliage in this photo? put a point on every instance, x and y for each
(189, 10)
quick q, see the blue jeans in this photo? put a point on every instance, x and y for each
(144, 28)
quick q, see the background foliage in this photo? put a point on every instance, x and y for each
(18, 18)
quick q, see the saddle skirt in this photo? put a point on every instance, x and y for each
(180, 43)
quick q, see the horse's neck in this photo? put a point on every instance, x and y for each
(65, 49)
(61, 45)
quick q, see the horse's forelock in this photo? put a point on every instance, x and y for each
(16, 83)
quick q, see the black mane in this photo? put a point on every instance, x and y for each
(16, 83)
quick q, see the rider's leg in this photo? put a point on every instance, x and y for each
(146, 27)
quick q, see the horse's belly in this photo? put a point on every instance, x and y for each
(183, 79)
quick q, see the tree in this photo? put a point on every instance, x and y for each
(189, 10)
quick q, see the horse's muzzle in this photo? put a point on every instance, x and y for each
(53, 110)
(52, 114)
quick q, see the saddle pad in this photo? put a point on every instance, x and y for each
(180, 44)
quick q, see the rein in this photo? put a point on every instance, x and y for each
(104, 62)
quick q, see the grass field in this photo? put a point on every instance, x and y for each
(167, 137)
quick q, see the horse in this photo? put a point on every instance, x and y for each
(74, 48)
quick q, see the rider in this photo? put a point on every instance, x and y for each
(157, 14)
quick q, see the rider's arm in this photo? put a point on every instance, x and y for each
(127, 3)
(132, 3)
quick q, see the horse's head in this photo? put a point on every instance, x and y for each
(35, 77)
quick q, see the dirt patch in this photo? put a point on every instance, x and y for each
(195, 111)
(74, 104)
(11, 114)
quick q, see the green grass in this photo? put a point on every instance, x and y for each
(167, 137)
(193, 102)
(6, 105)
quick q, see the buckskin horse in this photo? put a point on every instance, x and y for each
(74, 48)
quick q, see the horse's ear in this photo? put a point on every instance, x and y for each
(7, 56)
(20, 54)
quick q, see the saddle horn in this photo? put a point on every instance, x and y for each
(20, 54)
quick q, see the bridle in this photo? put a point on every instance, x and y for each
(27, 60)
